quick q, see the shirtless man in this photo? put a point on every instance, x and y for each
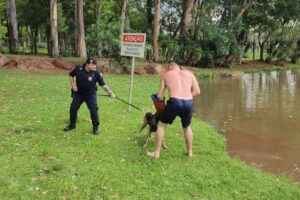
(182, 87)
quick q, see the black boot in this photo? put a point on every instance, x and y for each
(70, 127)
(95, 130)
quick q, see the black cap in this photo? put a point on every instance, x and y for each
(91, 60)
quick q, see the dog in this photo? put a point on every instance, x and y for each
(151, 120)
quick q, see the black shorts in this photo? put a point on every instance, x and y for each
(177, 107)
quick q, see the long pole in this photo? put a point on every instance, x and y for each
(106, 95)
(131, 83)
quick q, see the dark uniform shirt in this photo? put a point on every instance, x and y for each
(86, 81)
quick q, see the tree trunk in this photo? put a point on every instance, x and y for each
(188, 5)
(243, 8)
(49, 45)
(98, 10)
(261, 45)
(123, 16)
(0, 36)
(194, 20)
(253, 50)
(184, 27)
(296, 54)
(98, 18)
(80, 48)
(156, 31)
(62, 45)
(261, 54)
(54, 32)
(271, 50)
(149, 13)
(36, 32)
(33, 36)
(149, 30)
(12, 26)
(242, 39)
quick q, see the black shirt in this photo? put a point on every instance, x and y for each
(86, 81)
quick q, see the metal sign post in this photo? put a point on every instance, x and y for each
(133, 45)
(131, 83)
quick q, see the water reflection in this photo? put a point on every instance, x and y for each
(259, 116)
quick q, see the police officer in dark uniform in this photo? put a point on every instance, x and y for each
(87, 75)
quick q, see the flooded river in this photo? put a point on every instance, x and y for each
(259, 114)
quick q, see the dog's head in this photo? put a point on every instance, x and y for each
(151, 120)
(149, 116)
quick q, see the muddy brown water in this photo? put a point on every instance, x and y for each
(259, 114)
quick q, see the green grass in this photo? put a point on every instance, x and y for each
(40, 161)
(27, 50)
(264, 69)
(249, 55)
(292, 67)
(207, 74)
(46, 57)
(212, 73)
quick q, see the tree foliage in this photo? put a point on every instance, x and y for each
(204, 33)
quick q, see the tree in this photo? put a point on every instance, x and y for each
(184, 28)
(54, 32)
(98, 18)
(34, 30)
(103, 37)
(12, 25)
(156, 31)
(98, 10)
(123, 16)
(284, 43)
(80, 49)
(0, 36)
(2, 9)
(149, 4)
(188, 6)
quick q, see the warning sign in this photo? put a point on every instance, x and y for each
(133, 44)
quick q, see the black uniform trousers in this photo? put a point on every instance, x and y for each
(91, 102)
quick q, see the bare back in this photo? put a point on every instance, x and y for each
(180, 84)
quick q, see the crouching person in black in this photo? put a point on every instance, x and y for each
(87, 75)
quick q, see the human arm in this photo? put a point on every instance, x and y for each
(161, 90)
(195, 87)
(108, 91)
(72, 75)
(105, 86)
(72, 83)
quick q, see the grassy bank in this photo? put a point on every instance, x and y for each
(40, 161)
(213, 73)
(44, 57)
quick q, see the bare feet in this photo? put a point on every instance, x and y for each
(153, 155)
(189, 154)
